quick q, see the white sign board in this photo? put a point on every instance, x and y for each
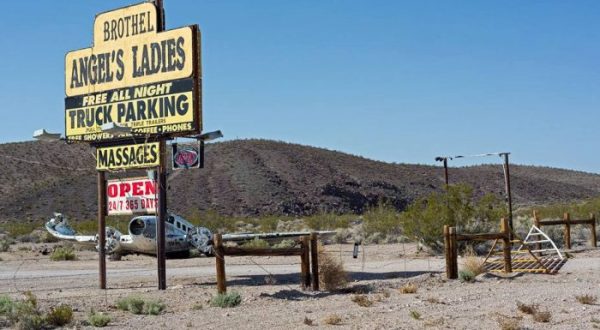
(131, 196)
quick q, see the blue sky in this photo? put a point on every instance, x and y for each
(396, 81)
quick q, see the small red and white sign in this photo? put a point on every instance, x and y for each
(131, 196)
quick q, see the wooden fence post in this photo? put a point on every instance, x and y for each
(567, 219)
(314, 256)
(451, 262)
(593, 228)
(304, 258)
(447, 250)
(453, 254)
(220, 264)
(506, 248)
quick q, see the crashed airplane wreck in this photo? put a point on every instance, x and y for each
(181, 236)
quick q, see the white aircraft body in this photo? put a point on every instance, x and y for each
(181, 236)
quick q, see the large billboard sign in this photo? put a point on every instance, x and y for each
(131, 196)
(135, 76)
(128, 156)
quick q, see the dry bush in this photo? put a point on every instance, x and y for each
(433, 300)
(362, 300)
(527, 308)
(308, 321)
(332, 319)
(472, 262)
(332, 275)
(542, 316)
(408, 288)
(509, 323)
(586, 299)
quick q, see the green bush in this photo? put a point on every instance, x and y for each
(268, 223)
(22, 314)
(382, 219)
(466, 276)
(256, 243)
(424, 220)
(154, 307)
(138, 305)
(59, 316)
(231, 299)
(98, 320)
(133, 304)
(4, 245)
(16, 229)
(212, 220)
(63, 253)
(327, 221)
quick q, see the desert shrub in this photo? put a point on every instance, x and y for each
(46, 237)
(472, 263)
(327, 221)
(414, 314)
(508, 323)
(332, 275)
(466, 276)
(256, 243)
(362, 300)
(542, 316)
(30, 322)
(6, 304)
(98, 319)
(332, 319)
(60, 315)
(23, 314)
(382, 219)
(342, 235)
(268, 223)
(586, 299)
(308, 321)
(424, 219)
(527, 308)
(4, 245)
(284, 244)
(154, 307)
(63, 253)
(212, 220)
(408, 288)
(134, 304)
(17, 229)
(230, 299)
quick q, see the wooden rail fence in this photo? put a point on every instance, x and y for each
(308, 252)
(568, 222)
(451, 239)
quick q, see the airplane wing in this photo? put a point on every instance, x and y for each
(89, 239)
(271, 236)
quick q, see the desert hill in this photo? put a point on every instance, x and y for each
(256, 177)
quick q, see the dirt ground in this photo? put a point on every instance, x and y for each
(272, 297)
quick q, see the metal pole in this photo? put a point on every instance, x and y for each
(508, 193)
(446, 171)
(102, 228)
(161, 185)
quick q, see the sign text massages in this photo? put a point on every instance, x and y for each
(134, 75)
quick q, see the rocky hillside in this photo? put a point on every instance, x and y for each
(254, 177)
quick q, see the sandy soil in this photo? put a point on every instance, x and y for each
(273, 299)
